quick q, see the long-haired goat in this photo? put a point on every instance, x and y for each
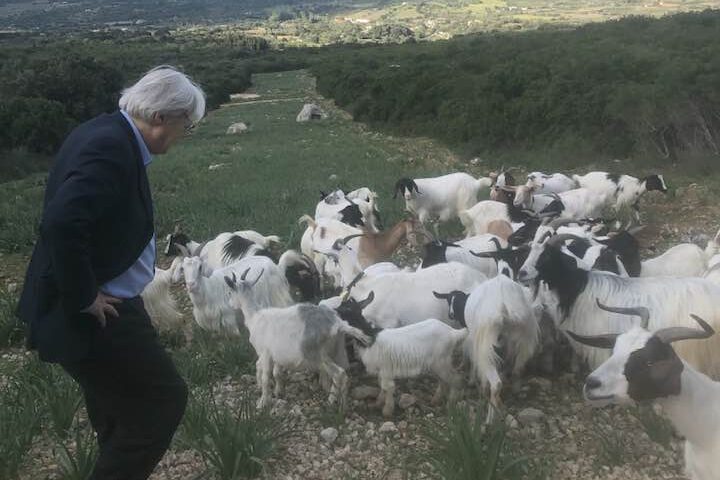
(670, 300)
(495, 312)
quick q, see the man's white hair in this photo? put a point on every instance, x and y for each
(166, 91)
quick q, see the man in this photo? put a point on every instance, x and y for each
(94, 256)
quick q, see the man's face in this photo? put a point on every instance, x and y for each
(167, 130)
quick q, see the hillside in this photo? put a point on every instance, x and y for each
(264, 179)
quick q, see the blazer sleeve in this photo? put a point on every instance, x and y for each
(89, 191)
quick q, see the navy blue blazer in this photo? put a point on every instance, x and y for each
(97, 219)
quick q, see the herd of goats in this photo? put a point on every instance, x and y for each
(538, 271)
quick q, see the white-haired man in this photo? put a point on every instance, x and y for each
(94, 255)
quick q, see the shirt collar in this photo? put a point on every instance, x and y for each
(144, 152)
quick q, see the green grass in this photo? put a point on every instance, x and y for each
(233, 444)
(464, 448)
(76, 462)
(12, 331)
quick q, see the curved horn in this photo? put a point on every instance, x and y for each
(560, 222)
(350, 237)
(258, 277)
(598, 341)
(641, 312)
(559, 239)
(332, 255)
(231, 282)
(498, 246)
(244, 275)
(184, 251)
(485, 254)
(674, 334)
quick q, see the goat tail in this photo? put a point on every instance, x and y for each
(355, 333)
(307, 220)
(482, 349)
(483, 182)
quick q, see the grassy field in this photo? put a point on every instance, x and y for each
(265, 180)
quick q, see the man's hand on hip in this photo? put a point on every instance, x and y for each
(102, 307)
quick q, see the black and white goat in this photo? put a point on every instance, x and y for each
(440, 197)
(406, 352)
(644, 367)
(498, 313)
(179, 244)
(624, 190)
(573, 291)
(353, 212)
(301, 335)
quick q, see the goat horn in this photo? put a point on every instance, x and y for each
(599, 341)
(332, 255)
(641, 312)
(244, 275)
(559, 239)
(497, 244)
(674, 334)
(231, 282)
(258, 277)
(560, 222)
(484, 254)
(183, 250)
(350, 237)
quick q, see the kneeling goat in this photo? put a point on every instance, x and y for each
(300, 335)
(644, 367)
(498, 308)
(406, 352)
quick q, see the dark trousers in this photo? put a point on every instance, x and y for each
(135, 397)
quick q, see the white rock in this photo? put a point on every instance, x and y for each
(310, 111)
(530, 416)
(406, 401)
(333, 178)
(329, 435)
(237, 128)
(511, 422)
(387, 427)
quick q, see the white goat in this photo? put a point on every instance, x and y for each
(404, 298)
(498, 308)
(643, 367)
(302, 335)
(440, 197)
(159, 301)
(208, 291)
(406, 352)
(555, 183)
(477, 219)
(580, 203)
(319, 237)
(436, 252)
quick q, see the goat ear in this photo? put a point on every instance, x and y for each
(322, 195)
(415, 187)
(441, 296)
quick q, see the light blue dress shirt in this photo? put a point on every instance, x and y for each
(133, 281)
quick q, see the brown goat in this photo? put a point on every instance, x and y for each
(374, 247)
(500, 228)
